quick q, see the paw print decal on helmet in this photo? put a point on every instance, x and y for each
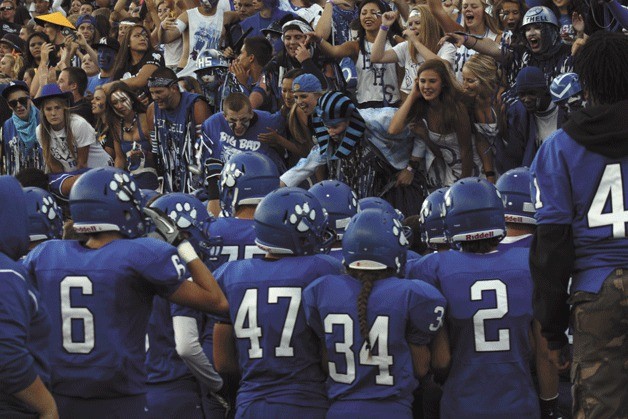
(49, 208)
(399, 233)
(229, 175)
(354, 200)
(302, 217)
(123, 187)
(181, 209)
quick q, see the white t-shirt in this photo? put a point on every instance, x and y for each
(447, 52)
(84, 135)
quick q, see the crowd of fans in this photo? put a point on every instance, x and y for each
(393, 100)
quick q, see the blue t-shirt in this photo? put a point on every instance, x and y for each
(399, 312)
(24, 333)
(278, 354)
(489, 299)
(257, 22)
(221, 143)
(592, 201)
(99, 302)
(94, 81)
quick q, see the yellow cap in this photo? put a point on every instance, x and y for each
(56, 18)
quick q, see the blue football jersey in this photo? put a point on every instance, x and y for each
(99, 302)
(489, 299)
(278, 354)
(238, 240)
(588, 191)
(24, 333)
(399, 312)
(163, 364)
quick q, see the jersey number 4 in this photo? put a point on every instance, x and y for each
(611, 185)
(248, 310)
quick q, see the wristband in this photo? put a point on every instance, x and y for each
(187, 252)
(384, 28)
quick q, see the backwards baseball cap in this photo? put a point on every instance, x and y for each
(530, 78)
(85, 19)
(307, 83)
(13, 86)
(109, 43)
(296, 24)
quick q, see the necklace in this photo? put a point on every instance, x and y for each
(129, 129)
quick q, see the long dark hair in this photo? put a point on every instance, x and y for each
(29, 60)
(123, 57)
(395, 29)
(454, 101)
(112, 119)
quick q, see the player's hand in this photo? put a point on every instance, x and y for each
(556, 357)
(166, 229)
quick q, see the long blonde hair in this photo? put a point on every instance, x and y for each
(430, 31)
(46, 128)
(485, 69)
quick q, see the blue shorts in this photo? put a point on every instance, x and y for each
(262, 409)
(114, 408)
(174, 399)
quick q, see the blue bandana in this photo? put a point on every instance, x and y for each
(26, 130)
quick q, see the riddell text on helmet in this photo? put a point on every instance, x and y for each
(479, 236)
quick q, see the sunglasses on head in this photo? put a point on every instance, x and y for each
(21, 100)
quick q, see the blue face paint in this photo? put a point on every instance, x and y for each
(106, 57)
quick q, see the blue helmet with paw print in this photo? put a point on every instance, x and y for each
(432, 218)
(107, 199)
(374, 240)
(45, 218)
(292, 221)
(191, 216)
(340, 202)
(247, 178)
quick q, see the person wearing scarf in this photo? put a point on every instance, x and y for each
(19, 148)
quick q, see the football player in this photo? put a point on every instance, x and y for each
(341, 203)
(176, 361)
(244, 181)
(432, 221)
(579, 185)
(45, 218)
(100, 294)
(485, 343)
(514, 188)
(24, 322)
(266, 336)
(375, 350)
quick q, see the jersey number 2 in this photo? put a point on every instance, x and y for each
(70, 314)
(498, 312)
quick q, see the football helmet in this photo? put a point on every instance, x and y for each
(376, 202)
(473, 211)
(565, 86)
(245, 179)
(514, 187)
(432, 218)
(340, 202)
(45, 218)
(291, 221)
(374, 240)
(147, 195)
(107, 199)
(190, 216)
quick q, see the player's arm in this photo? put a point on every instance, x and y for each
(189, 348)
(39, 399)
(203, 293)
(225, 356)
(420, 359)
(441, 354)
